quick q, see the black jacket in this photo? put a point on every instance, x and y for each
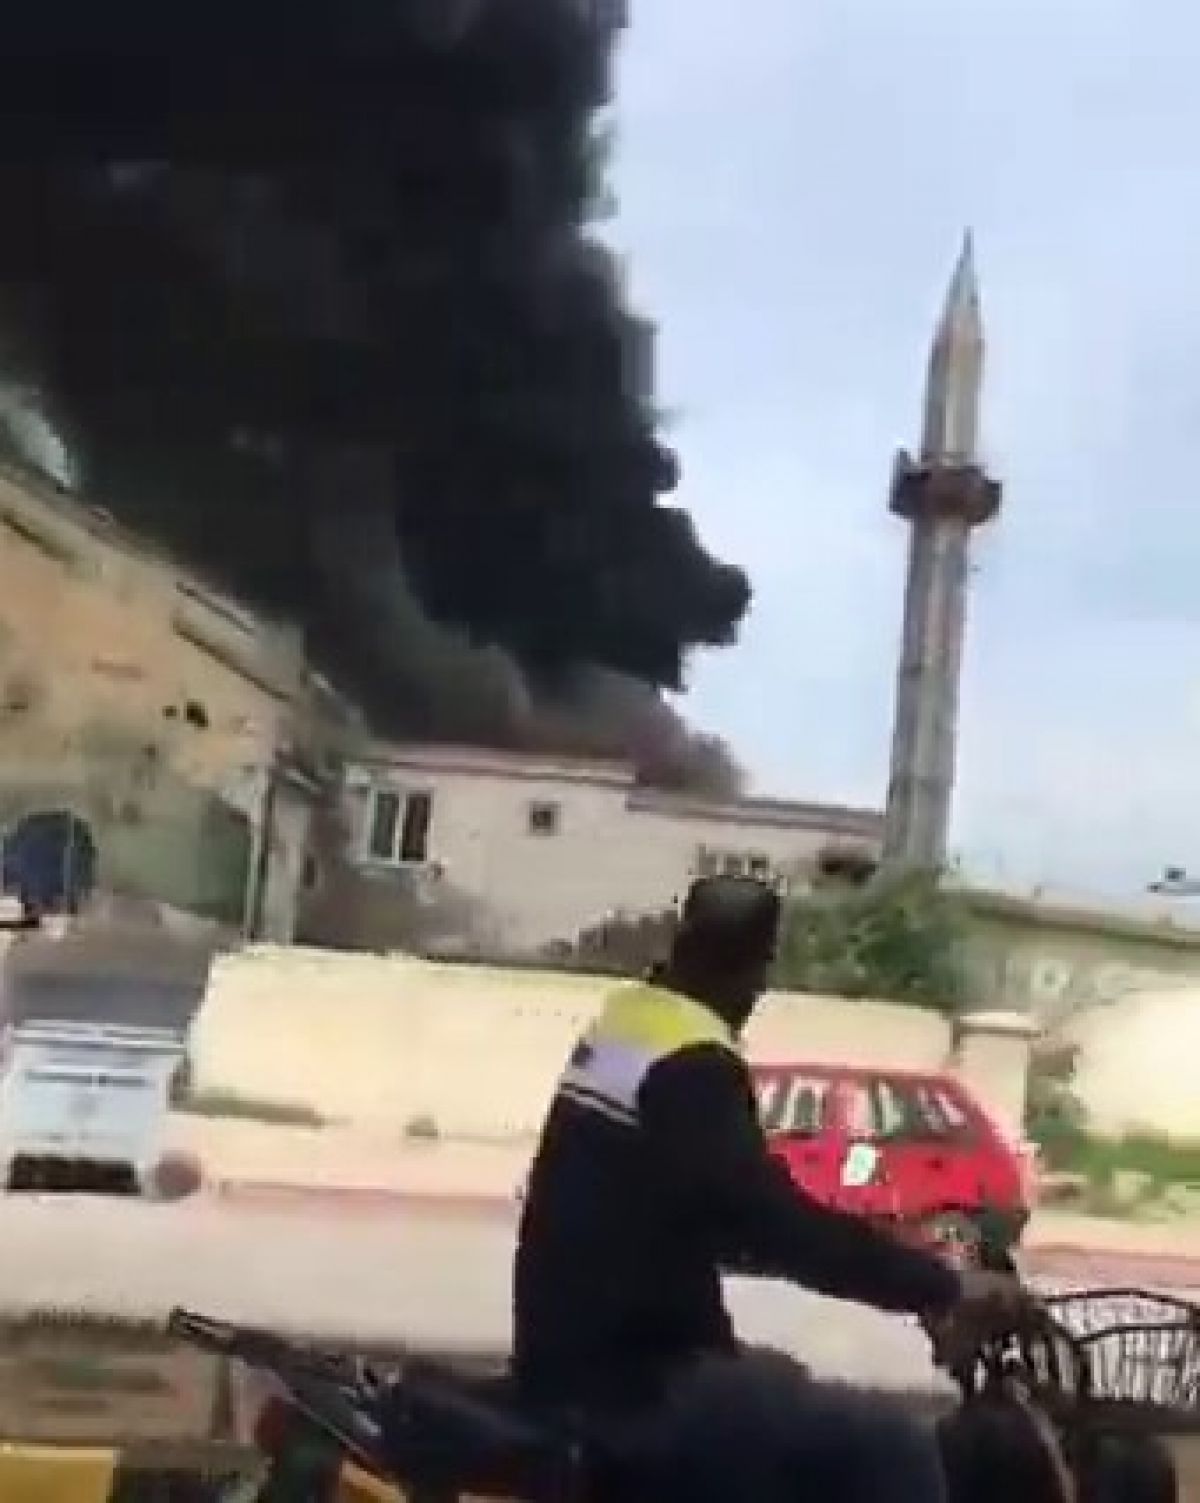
(626, 1225)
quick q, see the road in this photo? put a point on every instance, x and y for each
(436, 1282)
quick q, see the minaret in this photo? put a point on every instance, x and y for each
(942, 495)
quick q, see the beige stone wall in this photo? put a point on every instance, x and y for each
(148, 703)
(1137, 1065)
(100, 656)
(386, 1040)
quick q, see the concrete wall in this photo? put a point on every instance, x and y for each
(615, 848)
(1054, 957)
(1137, 1068)
(386, 1040)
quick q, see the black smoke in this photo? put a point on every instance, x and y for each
(312, 295)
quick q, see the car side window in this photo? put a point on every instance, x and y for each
(809, 1106)
(905, 1110)
(944, 1106)
(862, 1118)
(793, 1104)
(772, 1092)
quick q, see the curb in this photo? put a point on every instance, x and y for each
(283, 1194)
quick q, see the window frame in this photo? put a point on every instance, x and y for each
(409, 833)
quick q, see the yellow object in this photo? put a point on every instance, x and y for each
(639, 1026)
(54, 1474)
(660, 1021)
(357, 1486)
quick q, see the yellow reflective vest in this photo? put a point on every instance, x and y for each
(638, 1027)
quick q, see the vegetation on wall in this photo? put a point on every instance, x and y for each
(621, 945)
(900, 940)
(1139, 1173)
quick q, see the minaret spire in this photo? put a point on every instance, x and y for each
(954, 384)
(943, 495)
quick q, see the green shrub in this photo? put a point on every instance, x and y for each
(1071, 1148)
(901, 940)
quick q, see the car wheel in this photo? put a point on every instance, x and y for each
(956, 1236)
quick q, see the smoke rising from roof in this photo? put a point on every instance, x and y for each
(315, 304)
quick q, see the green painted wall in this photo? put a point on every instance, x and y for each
(1051, 960)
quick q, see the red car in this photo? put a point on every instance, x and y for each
(911, 1149)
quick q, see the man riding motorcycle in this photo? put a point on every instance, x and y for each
(652, 1175)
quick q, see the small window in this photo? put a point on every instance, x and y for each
(414, 835)
(706, 862)
(385, 821)
(544, 818)
(759, 867)
(733, 865)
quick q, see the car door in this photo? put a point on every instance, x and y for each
(862, 1184)
(921, 1157)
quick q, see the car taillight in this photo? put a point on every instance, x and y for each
(272, 1427)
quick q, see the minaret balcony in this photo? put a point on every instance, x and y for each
(943, 488)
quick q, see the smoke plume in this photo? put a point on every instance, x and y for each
(311, 294)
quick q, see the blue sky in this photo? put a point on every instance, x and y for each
(794, 180)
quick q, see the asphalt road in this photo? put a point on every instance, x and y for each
(426, 1281)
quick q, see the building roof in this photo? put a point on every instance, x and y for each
(838, 819)
(480, 761)
(778, 813)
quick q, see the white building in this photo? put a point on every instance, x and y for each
(545, 847)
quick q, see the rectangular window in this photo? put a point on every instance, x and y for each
(385, 820)
(706, 863)
(759, 867)
(400, 826)
(544, 818)
(414, 835)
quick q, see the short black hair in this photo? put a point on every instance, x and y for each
(728, 923)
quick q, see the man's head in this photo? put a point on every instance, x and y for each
(725, 944)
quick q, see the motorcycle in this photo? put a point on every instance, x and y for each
(1105, 1373)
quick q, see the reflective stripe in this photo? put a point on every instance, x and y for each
(640, 1026)
(592, 1102)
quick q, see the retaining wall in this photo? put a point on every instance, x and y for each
(387, 1041)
